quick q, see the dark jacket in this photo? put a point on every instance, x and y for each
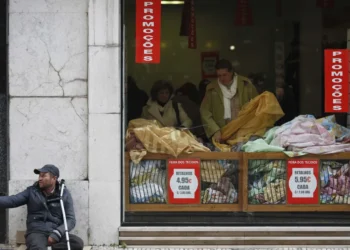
(43, 215)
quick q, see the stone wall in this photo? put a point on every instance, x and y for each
(64, 108)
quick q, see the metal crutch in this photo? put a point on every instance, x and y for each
(64, 214)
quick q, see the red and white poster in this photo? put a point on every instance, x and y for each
(148, 26)
(325, 3)
(336, 80)
(244, 14)
(184, 181)
(302, 180)
(208, 62)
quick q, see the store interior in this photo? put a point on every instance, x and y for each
(281, 47)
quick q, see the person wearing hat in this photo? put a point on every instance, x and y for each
(45, 226)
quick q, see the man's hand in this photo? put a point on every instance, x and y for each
(51, 241)
(217, 136)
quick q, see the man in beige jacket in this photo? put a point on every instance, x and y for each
(224, 98)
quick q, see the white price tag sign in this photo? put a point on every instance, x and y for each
(184, 183)
(302, 182)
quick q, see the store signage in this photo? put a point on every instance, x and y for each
(208, 62)
(192, 38)
(336, 67)
(184, 181)
(302, 177)
(148, 25)
(243, 13)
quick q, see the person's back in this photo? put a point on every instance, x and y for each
(45, 224)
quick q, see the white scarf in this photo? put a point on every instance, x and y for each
(228, 94)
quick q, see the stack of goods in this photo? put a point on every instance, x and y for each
(335, 182)
(148, 182)
(267, 182)
(219, 182)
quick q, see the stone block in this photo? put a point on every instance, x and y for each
(66, 6)
(104, 22)
(104, 147)
(48, 130)
(104, 210)
(104, 80)
(48, 54)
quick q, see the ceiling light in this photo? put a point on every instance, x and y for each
(172, 2)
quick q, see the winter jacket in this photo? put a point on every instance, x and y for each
(212, 107)
(151, 112)
(44, 214)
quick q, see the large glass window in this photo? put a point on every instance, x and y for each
(266, 54)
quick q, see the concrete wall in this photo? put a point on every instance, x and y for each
(64, 86)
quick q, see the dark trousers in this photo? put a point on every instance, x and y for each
(38, 241)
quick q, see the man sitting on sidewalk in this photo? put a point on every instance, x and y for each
(45, 226)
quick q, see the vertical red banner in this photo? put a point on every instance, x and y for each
(336, 77)
(325, 3)
(244, 14)
(148, 26)
(192, 38)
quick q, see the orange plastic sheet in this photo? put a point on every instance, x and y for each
(254, 118)
(161, 140)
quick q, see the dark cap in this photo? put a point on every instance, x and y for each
(48, 169)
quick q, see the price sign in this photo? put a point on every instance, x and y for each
(184, 180)
(303, 181)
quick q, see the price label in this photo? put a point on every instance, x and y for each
(184, 183)
(303, 181)
(184, 180)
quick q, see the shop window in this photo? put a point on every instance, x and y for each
(227, 85)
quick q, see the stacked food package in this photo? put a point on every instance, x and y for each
(335, 182)
(267, 182)
(148, 182)
(219, 181)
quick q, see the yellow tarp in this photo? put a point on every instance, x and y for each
(255, 117)
(161, 140)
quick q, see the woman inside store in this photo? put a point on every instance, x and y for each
(162, 108)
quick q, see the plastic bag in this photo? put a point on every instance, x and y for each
(147, 193)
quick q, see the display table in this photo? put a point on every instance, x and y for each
(149, 186)
(226, 182)
(276, 182)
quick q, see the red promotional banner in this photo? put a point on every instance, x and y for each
(192, 38)
(184, 181)
(336, 77)
(325, 3)
(148, 23)
(243, 13)
(303, 179)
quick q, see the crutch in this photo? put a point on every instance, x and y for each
(64, 214)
